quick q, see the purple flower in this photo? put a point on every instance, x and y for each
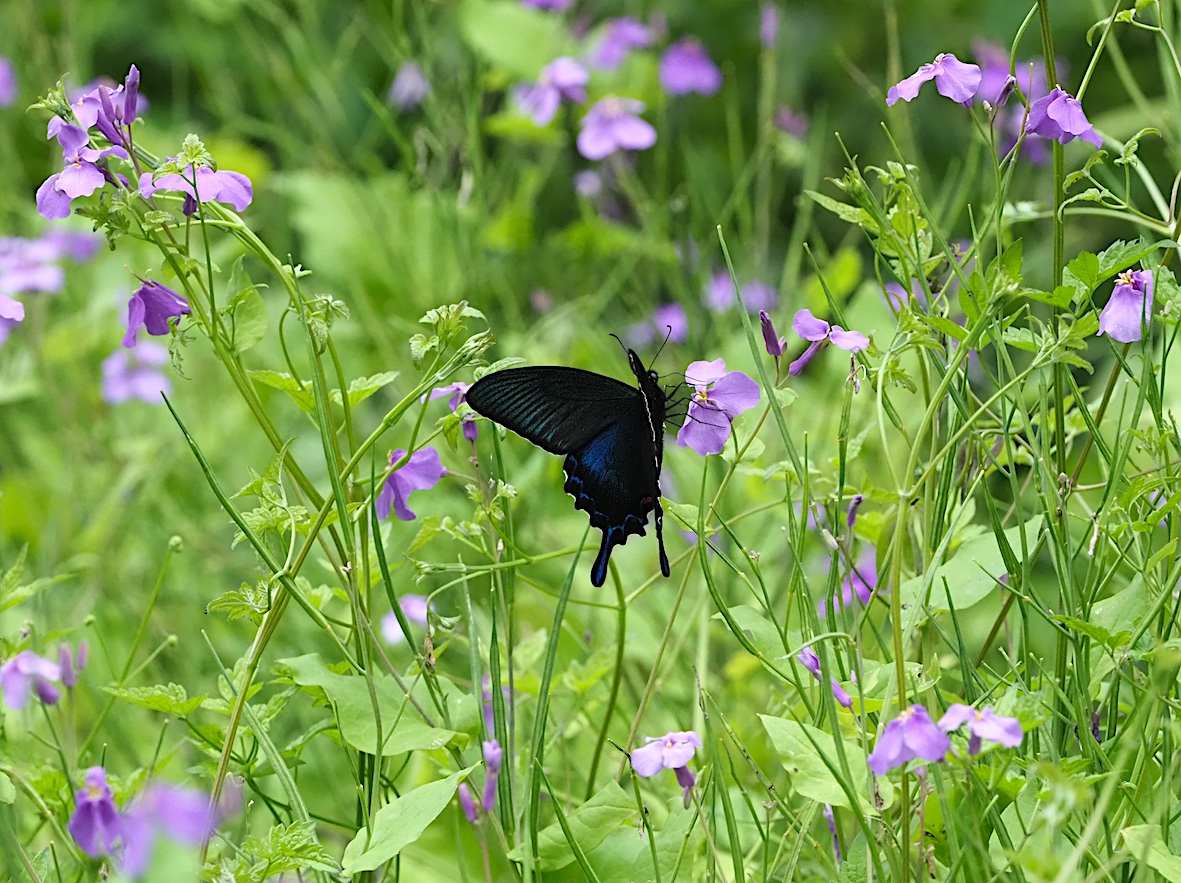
(414, 608)
(718, 295)
(493, 756)
(667, 319)
(1130, 307)
(859, 583)
(809, 660)
(136, 374)
(686, 67)
(467, 804)
(768, 24)
(95, 824)
(775, 345)
(458, 392)
(87, 105)
(552, 5)
(221, 186)
(588, 183)
(410, 86)
(80, 176)
(182, 814)
(982, 725)
(71, 665)
(851, 514)
(561, 78)
(486, 701)
(820, 332)
(912, 734)
(150, 307)
(613, 124)
(832, 829)
(953, 79)
(791, 122)
(27, 672)
(671, 751)
(118, 109)
(621, 36)
(420, 473)
(1060, 116)
(10, 310)
(719, 396)
(8, 88)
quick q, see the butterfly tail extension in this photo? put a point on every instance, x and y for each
(665, 570)
(599, 570)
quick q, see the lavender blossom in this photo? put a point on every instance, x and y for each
(151, 307)
(910, 735)
(614, 124)
(1129, 310)
(220, 186)
(820, 332)
(953, 79)
(984, 724)
(8, 86)
(1060, 116)
(29, 673)
(95, 823)
(414, 608)
(410, 86)
(775, 345)
(621, 36)
(420, 473)
(686, 67)
(719, 396)
(562, 78)
(136, 374)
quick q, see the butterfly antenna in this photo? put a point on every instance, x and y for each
(667, 334)
(620, 342)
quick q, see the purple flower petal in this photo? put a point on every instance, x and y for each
(809, 327)
(648, 760)
(686, 67)
(735, 393)
(853, 341)
(701, 374)
(421, 472)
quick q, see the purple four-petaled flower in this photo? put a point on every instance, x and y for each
(410, 86)
(80, 176)
(29, 673)
(182, 814)
(220, 186)
(1060, 116)
(718, 294)
(1130, 307)
(150, 307)
(620, 37)
(612, 124)
(953, 79)
(718, 397)
(672, 751)
(686, 67)
(561, 78)
(819, 332)
(982, 724)
(95, 823)
(458, 393)
(420, 473)
(910, 735)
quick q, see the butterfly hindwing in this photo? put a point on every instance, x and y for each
(611, 434)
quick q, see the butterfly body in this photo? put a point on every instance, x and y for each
(611, 434)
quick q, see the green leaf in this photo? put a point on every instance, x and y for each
(759, 630)
(291, 847)
(971, 574)
(403, 729)
(590, 825)
(1059, 297)
(1146, 845)
(399, 823)
(363, 387)
(171, 699)
(301, 394)
(803, 749)
(850, 213)
(946, 326)
(7, 789)
(1121, 255)
(514, 37)
(247, 311)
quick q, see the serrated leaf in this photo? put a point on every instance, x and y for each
(1086, 269)
(590, 825)
(1059, 297)
(291, 847)
(1122, 255)
(399, 823)
(168, 699)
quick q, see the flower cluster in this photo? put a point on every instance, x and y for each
(27, 673)
(913, 735)
(672, 751)
(1057, 115)
(30, 266)
(100, 829)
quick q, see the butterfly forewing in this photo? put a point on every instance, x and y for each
(558, 409)
(611, 434)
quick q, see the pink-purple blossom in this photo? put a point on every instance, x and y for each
(70, 664)
(8, 86)
(95, 823)
(809, 660)
(718, 294)
(859, 583)
(458, 393)
(221, 185)
(718, 397)
(420, 473)
(620, 37)
(493, 757)
(1130, 308)
(768, 24)
(80, 176)
(909, 736)
(953, 79)
(612, 124)
(775, 345)
(136, 374)
(414, 608)
(410, 86)
(686, 67)
(181, 814)
(1060, 116)
(818, 333)
(562, 78)
(672, 751)
(28, 673)
(151, 307)
(791, 122)
(982, 724)
(667, 319)
(551, 5)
